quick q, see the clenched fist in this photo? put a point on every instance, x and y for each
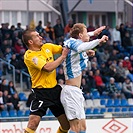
(103, 39)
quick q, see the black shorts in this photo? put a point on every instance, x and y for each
(46, 98)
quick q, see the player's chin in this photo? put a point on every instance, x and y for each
(87, 39)
(41, 44)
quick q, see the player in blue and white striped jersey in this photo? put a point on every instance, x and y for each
(76, 61)
(77, 58)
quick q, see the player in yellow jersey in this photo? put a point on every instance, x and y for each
(41, 66)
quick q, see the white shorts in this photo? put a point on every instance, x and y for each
(73, 102)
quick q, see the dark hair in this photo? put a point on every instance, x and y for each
(76, 29)
(26, 36)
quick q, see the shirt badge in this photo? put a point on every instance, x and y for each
(47, 50)
(35, 60)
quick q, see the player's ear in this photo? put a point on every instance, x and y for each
(80, 35)
(30, 41)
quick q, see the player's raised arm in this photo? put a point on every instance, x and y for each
(97, 31)
(92, 44)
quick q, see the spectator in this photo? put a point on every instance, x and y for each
(85, 75)
(4, 29)
(116, 36)
(122, 32)
(19, 46)
(7, 101)
(15, 100)
(118, 48)
(3, 85)
(128, 74)
(102, 55)
(114, 55)
(127, 44)
(8, 54)
(11, 88)
(8, 38)
(12, 30)
(94, 66)
(131, 59)
(20, 30)
(128, 28)
(59, 32)
(16, 64)
(15, 38)
(14, 61)
(127, 63)
(5, 45)
(104, 70)
(67, 28)
(39, 27)
(99, 81)
(86, 89)
(121, 71)
(2, 107)
(109, 46)
(45, 37)
(60, 75)
(114, 73)
(91, 81)
(61, 82)
(106, 32)
(113, 90)
(50, 31)
(128, 88)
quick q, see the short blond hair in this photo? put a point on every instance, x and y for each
(76, 29)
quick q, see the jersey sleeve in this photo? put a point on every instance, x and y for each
(35, 61)
(91, 33)
(73, 44)
(87, 45)
(55, 49)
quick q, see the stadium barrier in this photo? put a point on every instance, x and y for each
(50, 125)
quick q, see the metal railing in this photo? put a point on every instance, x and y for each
(13, 69)
(23, 73)
(13, 72)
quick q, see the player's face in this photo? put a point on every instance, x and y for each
(36, 39)
(85, 37)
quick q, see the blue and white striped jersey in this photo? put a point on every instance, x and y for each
(77, 59)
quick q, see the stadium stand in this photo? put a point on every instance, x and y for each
(4, 113)
(20, 113)
(12, 113)
(111, 54)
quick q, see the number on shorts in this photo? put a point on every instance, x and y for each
(41, 102)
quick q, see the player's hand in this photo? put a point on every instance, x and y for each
(65, 52)
(103, 39)
(91, 53)
(99, 30)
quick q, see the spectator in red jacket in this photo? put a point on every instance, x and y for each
(99, 81)
(19, 46)
(127, 63)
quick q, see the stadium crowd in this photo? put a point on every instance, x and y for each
(110, 71)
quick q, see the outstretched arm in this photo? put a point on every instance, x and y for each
(90, 45)
(97, 31)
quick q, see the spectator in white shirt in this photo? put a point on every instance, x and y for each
(2, 107)
(116, 36)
